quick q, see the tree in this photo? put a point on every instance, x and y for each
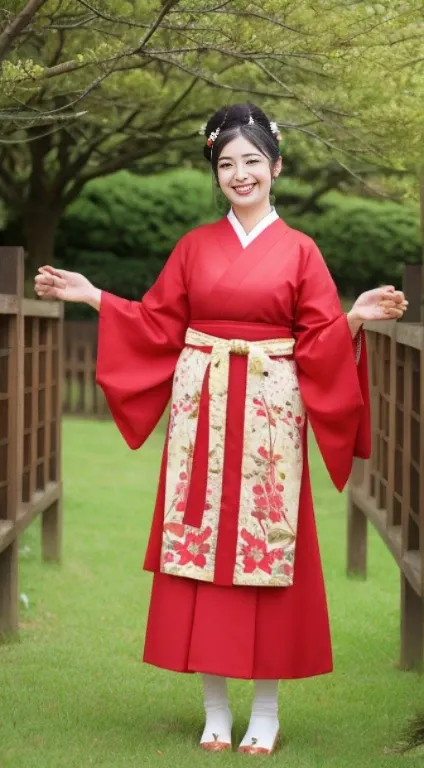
(146, 73)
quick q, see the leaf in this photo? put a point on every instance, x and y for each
(280, 535)
(177, 529)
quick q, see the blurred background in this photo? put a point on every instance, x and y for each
(101, 105)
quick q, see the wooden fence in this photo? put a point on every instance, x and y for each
(82, 396)
(30, 426)
(388, 490)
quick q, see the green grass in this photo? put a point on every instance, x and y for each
(74, 692)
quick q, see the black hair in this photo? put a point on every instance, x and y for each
(245, 120)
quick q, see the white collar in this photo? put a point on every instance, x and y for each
(247, 238)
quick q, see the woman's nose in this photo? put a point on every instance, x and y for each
(241, 173)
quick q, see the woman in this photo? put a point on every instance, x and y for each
(244, 332)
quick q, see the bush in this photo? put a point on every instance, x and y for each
(365, 242)
(122, 228)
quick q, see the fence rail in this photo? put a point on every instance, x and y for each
(388, 490)
(30, 426)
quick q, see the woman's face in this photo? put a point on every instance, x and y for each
(244, 173)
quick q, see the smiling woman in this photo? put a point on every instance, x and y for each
(251, 160)
(244, 332)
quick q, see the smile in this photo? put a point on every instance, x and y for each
(245, 189)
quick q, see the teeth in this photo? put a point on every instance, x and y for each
(244, 189)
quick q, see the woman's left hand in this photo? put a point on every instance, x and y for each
(384, 303)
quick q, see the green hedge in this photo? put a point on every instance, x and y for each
(365, 242)
(122, 228)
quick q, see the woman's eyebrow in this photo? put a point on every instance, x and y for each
(249, 154)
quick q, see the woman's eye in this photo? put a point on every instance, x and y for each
(252, 162)
(225, 165)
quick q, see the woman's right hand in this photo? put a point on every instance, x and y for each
(52, 283)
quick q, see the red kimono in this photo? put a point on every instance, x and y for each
(206, 614)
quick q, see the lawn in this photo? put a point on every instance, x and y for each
(74, 692)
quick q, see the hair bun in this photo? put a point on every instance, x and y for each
(234, 116)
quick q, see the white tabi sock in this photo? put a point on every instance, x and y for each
(263, 726)
(219, 719)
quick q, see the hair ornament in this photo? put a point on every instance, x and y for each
(251, 120)
(213, 137)
(275, 131)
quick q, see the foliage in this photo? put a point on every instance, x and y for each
(121, 229)
(145, 74)
(365, 243)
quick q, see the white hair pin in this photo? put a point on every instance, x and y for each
(275, 130)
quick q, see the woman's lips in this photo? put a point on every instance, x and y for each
(244, 189)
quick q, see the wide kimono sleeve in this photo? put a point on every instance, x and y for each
(139, 343)
(332, 369)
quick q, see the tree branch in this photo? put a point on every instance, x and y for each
(168, 4)
(75, 25)
(245, 14)
(59, 49)
(21, 20)
(216, 84)
(124, 160)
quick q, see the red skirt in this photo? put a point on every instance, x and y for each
(246, 632)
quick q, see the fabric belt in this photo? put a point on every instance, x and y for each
(257, 352)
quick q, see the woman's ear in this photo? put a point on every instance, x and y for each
(278, 167)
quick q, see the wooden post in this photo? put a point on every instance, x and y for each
(412, 609)
(52, 517)
(406, 448)
(48, 402)
(12, 282)
(356, 527)
(378, 435)
(357, 541)
(421, 183)
(391, 447)
(35, 379)
(411, 626)
(412, 278)
(51, 532)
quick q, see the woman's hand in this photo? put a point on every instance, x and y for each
(379, 304)
(60, 284)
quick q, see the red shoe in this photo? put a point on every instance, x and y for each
(215, 746)
(251, 749)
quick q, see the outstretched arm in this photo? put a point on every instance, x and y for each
(383, 303)
(52, 283)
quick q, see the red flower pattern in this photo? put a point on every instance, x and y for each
(194, 548)
(181, 490)
(255, 554)
(268, 502)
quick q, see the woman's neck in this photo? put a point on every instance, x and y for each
(249, 218)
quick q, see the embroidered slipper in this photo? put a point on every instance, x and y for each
(253, 749)
(215, 746)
